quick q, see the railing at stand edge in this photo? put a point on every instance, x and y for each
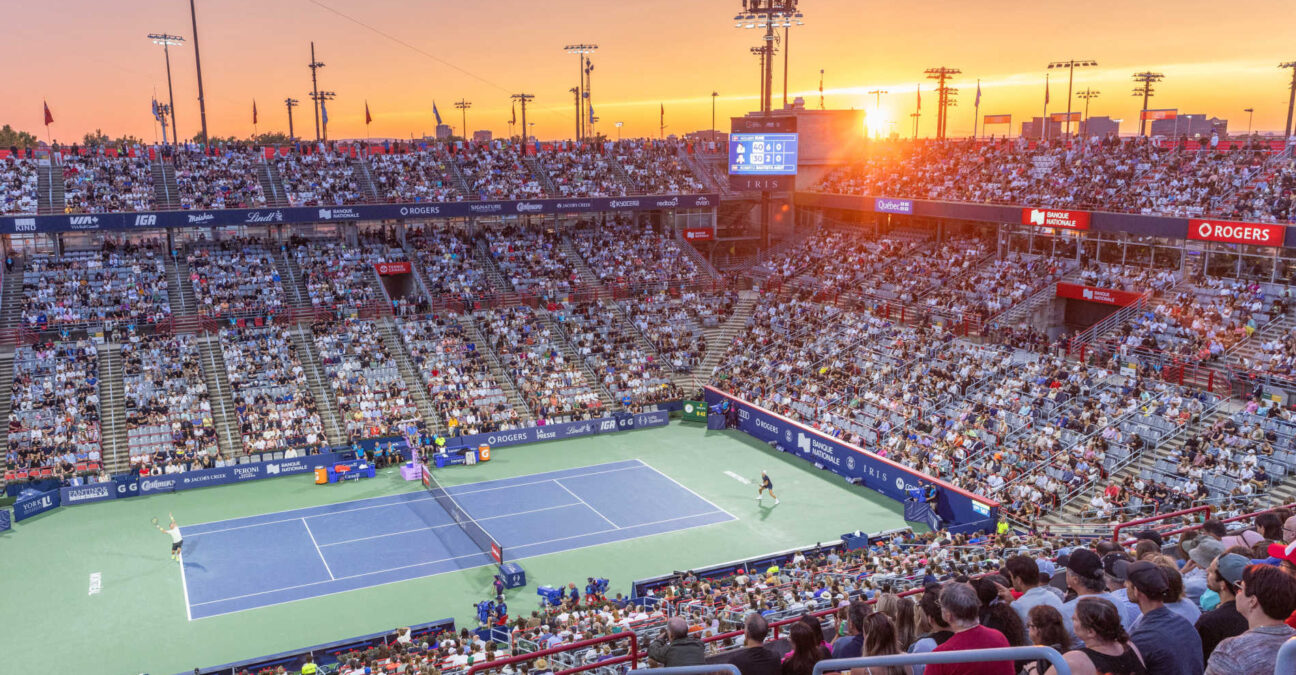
(1152, 519)
(966, 656)
(632, 658)
(726, 668)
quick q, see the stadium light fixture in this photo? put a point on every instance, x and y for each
(770, 15)
(167, 41)
(583, 95)
(1291, 98)
(1070, 66)
(1147, 79)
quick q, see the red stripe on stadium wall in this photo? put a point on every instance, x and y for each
(1256, 234)
(1106, 296)
(1067, 220)
(917, 474)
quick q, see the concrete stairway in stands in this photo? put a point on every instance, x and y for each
(365, 179)
(221, 395)
(501, 376)
(112, 409)
(319, 383)
(563, 341)
(542, 176)
(50, 197)
(720, 337)
(290, 276)
(11, 297)
(179, 289)
(623, 176)
(271, 186)
(461, 182)
(1250, 349)
(390, 333)
(493, 272)
(165, 190)
(582, 268)
(6, 405)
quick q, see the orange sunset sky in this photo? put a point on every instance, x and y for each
(90, 59)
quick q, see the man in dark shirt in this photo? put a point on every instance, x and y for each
(754, 658)
(1224, 621)
(1168, 643)
(852, 645)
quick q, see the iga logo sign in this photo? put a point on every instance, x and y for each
(145, 221)
(1067, 220)
(1257, 234)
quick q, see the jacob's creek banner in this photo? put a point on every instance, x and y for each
(550, 432)
(238, 473)
(228, 217)
(1067, 220)
(1106, 296)
(1257, 234)
(961, 510)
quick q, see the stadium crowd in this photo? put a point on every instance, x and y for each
(225, 181)
(126, 286)
(19, 180)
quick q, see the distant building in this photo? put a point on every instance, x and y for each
(1191, 126)
(444, 132)
(1100, 126)
(1032, 128)
(482, 136)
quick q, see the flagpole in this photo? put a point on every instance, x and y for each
(976, 112)
(1045, 120)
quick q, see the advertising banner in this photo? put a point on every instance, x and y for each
(1106, 296)
(389, 268)
(550, 432)
(1256, 234)
(699, 233)
(695, 411)
(887, 205)
(1067, 220)
(35, 504)
(998, 119)
(236, 474)
(84, 494)
(6, 521)
(1062, 117)
(1160, 114)
(288, 215)
(960, 510)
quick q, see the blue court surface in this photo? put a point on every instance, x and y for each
(245, 563)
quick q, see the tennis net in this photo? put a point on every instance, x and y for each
(462, 519)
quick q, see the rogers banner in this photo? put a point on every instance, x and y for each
(1067, 220)
(699, 234)
(1106, 296)
(387, 268)
(1256, 234)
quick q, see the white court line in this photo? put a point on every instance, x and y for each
(317, 548)
(420, 498)
(437, 527)
(184, 585)
(681, 485)
(487, 564)
(607, 520)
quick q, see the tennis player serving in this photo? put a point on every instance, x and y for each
(766, 484)
(174, 532)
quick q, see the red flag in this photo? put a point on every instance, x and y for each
(368, 117)
(254, 114)
(49, 118)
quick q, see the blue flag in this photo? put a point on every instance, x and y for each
(156, 114)
(591, 108)
(436, 113)
(978, 98)
(323, 112)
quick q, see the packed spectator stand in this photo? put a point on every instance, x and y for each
(19, 182)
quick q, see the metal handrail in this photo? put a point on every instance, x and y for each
(632, 657)
(727, 668)
(967, 656)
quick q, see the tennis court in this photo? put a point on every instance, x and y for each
(245, 563)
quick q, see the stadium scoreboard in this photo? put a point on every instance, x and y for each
(762, 153)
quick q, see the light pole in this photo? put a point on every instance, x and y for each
(714, 95)
(1147, 79)
(1086, 95)
(314, 68)
(877, 102)
(166, 41)
(618, 126)
(760, 53)
(1070, 66)
(1291, 99)
(580, 50)
(320, 97)
(787, 47)
(202, 103)
(464, 105)
(523, 98)
(1250, 115)
(944, 94)
(576, 97)
(768, 14)
(291, 103)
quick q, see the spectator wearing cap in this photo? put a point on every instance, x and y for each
(1266, 597)
(1225, 621)
(1114, 566)
(960, 608)
(1084, 577)
(1174, 598)
(1201, 552)
(1167, 641)
(1024, 573)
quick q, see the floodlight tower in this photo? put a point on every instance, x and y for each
(314, 68)
(1086, 96)
(581, 50)
(1147, 79)
(942, 75)
(166, 41)
(1070, 66)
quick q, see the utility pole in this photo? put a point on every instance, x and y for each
(1086, 95)
(821, 101)
(166, 41)
(202, 103)
(1291, 99)
(463, 105)
(915, 117)
(314, 68)
(291, 103)
(944, 94)
(760, 52)
(320, 98)
(714, 94)
(582, 93)
(1147, 79)
(1250, 116)
(576, 94)
(1071, 66)
(523, 98)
